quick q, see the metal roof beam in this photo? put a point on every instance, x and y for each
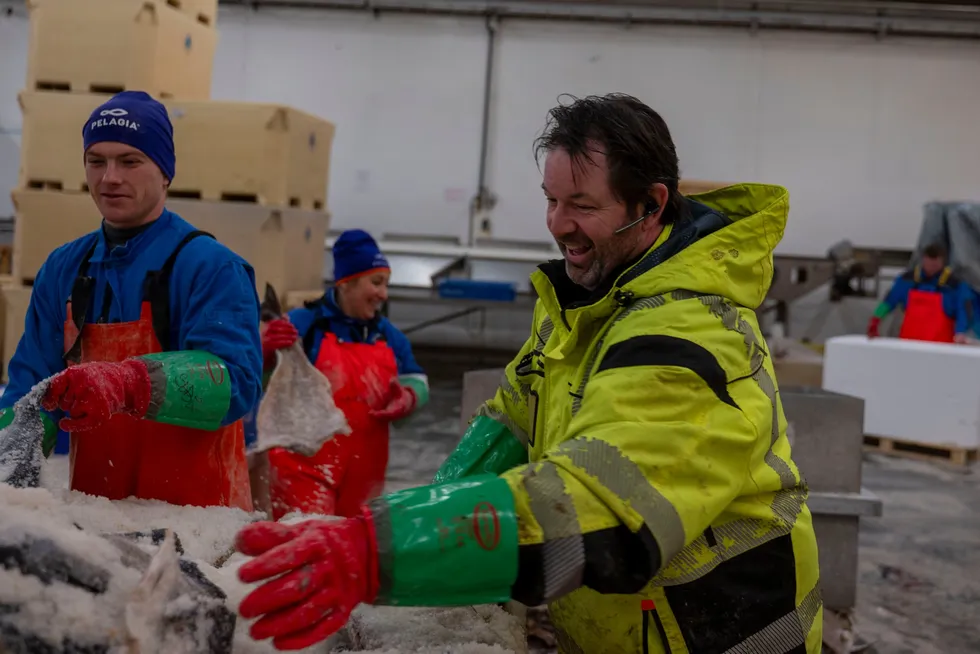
(965, 25)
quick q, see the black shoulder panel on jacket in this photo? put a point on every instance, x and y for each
(659, 350)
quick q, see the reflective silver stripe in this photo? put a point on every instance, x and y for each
(644, 303)
(626, 480)
(504, 419)
(516, 395)
(544, 331)
(733, 538)
(785, 634)
(554, 509)
(809, 608)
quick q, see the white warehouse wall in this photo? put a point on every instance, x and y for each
(862, 132)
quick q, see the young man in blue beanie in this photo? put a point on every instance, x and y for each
(373, 374)
(148, 329)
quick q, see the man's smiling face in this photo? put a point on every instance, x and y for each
(583, 216)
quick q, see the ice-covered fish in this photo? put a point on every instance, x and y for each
(64, 590)
(20, 441)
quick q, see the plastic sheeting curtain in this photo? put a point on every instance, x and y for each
(955, 226)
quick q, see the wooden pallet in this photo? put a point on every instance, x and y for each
(6, 262)
(958, 456)
(245, 198)
(56, 185)
(76, 186)
(62, 86)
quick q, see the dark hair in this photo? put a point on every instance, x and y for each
(635, 139)
(934, 251)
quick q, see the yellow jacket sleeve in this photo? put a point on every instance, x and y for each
(659, 448)
(496, 437)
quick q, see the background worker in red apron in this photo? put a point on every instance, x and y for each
(938, 306)
(151, 327)
(373, 374)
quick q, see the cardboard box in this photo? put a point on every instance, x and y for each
(296, 299)
(113, 45)
(51, 139)
(265, 153)
(268, 154)
(203, 11)
(16, 299)
(284, 246)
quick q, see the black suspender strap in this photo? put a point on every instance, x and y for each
(156, 291)
(309, 338)
(81, 296)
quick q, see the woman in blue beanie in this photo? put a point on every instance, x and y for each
(372, 372)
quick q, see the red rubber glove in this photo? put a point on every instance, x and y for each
(90, 393)
(327, 568)
(279, 334)
(873, 327)
(400, 403)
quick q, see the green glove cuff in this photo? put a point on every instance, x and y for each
(50, 438)
(447, 545)
(188, 389)
(487, 447)
(882, 310)
(419, 387)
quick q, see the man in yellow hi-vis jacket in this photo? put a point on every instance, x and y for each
(633, 469)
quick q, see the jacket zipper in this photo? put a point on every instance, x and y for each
(649, 609)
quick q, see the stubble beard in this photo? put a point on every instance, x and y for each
(615, 252)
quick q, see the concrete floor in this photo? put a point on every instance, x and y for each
(919, 563)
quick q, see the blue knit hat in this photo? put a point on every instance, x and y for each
(136, 119)
(356, 253)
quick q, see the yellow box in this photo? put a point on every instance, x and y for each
(284, 246)
(267, 154)
(114, 45)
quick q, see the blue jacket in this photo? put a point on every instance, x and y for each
(213, 305)
(958, 297)
(352, 330)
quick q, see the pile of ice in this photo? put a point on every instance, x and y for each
(87, 575)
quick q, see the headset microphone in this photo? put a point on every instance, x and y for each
(650, 208)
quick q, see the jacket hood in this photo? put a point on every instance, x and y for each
(734, 261)
(725, 247)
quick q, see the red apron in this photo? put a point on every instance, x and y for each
(925, 319)
(130, 457)
(350, 468)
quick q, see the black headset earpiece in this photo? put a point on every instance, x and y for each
(649, 208)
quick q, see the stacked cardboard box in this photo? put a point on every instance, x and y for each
(254, 175)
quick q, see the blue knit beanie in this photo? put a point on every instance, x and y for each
(136, 119)
(355, 253)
